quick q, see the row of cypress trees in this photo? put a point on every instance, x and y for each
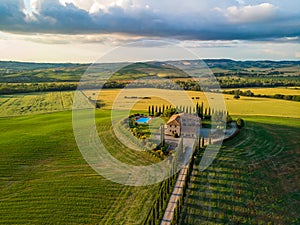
(199, 109)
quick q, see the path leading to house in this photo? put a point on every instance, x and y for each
(178, 189)
(177, 192)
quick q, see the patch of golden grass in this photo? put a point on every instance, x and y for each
(242, 106)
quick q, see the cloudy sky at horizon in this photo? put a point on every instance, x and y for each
(84, 30)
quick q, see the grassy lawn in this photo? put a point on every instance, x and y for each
(43, 177)
(254, 179)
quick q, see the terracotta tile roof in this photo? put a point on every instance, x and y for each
(174, 119)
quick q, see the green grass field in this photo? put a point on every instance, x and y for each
(43, 176)
(254, 179)
(35, 103)
(44, 179)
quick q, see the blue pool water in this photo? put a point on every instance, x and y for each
(143, 120)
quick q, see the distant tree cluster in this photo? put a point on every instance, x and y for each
(23, 86)
(248, 93)
(245, 82)
(35, 87)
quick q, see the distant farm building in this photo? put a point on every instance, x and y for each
(183, 124)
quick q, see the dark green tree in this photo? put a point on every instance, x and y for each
(240, 123)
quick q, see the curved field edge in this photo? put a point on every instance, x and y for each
(253, 180)
(43, 176)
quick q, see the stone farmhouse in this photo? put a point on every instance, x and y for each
(183, 124)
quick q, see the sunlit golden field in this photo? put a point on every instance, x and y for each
(242, 106)
(36, 103)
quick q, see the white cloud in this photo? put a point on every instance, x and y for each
(250, 13)
(96, 7)
(31, 8)
(297, 54)
(81, 4)
(93, 6)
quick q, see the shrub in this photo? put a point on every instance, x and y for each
(240, 123)
(236, 96)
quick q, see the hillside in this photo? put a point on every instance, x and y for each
(22, 72)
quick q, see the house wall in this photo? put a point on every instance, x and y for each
(171, 129)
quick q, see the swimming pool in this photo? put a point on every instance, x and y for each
(143, 120)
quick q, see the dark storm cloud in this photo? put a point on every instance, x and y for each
(230, 22)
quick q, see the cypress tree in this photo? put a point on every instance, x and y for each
(153, 215)
(152, 109)
(168, 187)
(162, 200)
(157, 211)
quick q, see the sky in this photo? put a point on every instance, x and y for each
(86, 30)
